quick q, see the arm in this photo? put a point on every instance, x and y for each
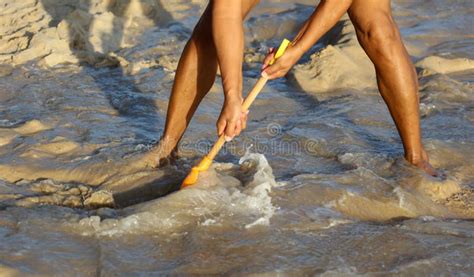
(228, 34)
(321, 21)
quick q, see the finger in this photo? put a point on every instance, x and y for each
(220, 126)
(270, 71)
(229, 130)
(268, 57)
(238, 127)
(267, 60)
(278, 74)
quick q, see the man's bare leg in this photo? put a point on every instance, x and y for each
(194, 78)
(396, 76)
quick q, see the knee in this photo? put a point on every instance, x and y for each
(203, 30)
(379, 35)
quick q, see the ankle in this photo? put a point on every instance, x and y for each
(168, 140)
(414, 157)
(166, 145)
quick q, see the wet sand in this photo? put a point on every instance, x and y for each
(315, 185)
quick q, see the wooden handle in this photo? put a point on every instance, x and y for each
(254, 93)
(257, 88)
(249, 99)
(216, 148)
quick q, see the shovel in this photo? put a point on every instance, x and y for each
(206, 161)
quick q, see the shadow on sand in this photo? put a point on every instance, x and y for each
(138, 111)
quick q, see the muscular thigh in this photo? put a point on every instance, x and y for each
(247, 6)
(366, 13)
(203, 27)
(377, 32)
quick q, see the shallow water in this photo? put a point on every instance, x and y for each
(315, 185)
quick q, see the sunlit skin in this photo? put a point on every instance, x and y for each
(218, 41)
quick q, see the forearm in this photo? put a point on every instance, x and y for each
(227, 31)
(321, 21)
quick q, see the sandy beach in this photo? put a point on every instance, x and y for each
(316, 184)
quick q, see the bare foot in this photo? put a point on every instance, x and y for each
(427, 167)
(424, 164)
(161, 154)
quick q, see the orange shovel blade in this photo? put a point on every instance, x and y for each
(193, 176)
